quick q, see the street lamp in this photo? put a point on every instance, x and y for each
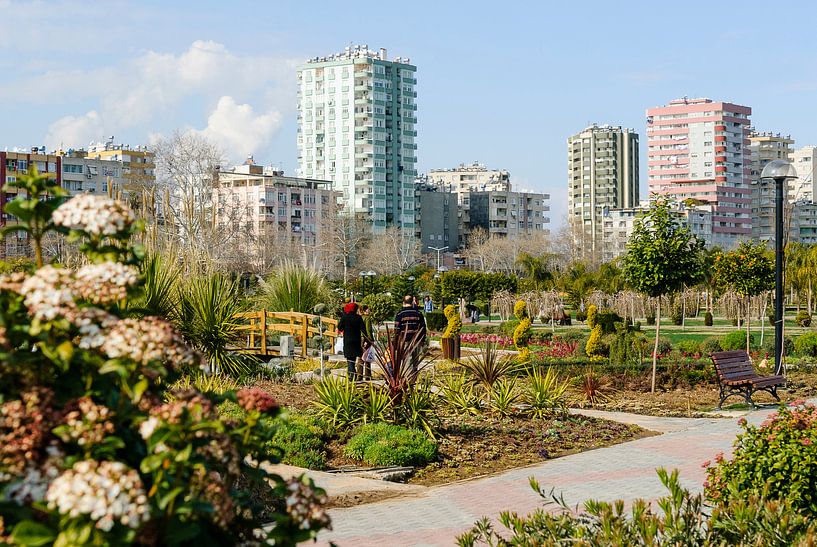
(438, 249)
(780, 171)
(370, 275)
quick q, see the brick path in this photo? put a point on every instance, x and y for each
(627, 471)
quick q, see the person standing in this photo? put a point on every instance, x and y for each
(428, 304)
(351, 324)
(410, 324)
(368, 343)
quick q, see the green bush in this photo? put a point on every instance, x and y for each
(776, 459)
(650, 320)
(711, 345)
(608, 319)
(803, 318)
(386, 444)
(736, 340)
(806, 344)
(677, 318)
(594, 347)
(301, 439)
(436, 321)
(689, 347)
(768, 344)
(507, 327)
(581, 316)
(381, 307)
(664, 346)
(708, 320)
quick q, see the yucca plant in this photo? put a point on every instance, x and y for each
(205, 383)
(503, 396)
(294, 287)
(160, 296)
(376, 406)
(593, 388)
(417, 409)
(339, 401)
(458, 393)
(489, 366)
(545, 394)
(207, 308)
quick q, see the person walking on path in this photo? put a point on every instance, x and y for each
(410, 324)
(351, 324)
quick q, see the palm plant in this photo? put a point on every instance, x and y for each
(545, 393)
(160, 296)
(400, 359)
(294, 287)
(489, 366)
(338, 401)
(207, 308)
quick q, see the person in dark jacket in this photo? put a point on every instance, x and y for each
(351, 324)
(410, 324)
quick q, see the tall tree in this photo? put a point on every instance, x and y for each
(749, 271)
(349, 236)
(536, 269)
(392, 252)
(662, 256)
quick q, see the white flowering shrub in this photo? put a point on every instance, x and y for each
(90, 451)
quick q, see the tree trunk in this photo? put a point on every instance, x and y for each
(683, 310)
(655, 347)
(748, 319)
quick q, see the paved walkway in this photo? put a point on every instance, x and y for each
(436, 515)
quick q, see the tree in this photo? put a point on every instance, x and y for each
(349, 236)
(749, 271)
(662, 256)
(391, 253)
(536, 269)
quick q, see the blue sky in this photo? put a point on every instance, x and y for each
(503, 83)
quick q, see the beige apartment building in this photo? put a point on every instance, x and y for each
(765, 147)
(602, 171)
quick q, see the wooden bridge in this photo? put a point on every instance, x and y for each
(258, 326)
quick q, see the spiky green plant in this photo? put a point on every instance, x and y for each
(205, 383)
(489, 366)
(458, 393)
(376, 406)
(503, 397)
(161, 292)
(339, 401)
(417, 409)
(207, 307)
(294, 288)
(545, 394)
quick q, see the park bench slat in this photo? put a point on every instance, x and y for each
(737, 376)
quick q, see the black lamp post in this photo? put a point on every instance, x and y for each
(780, 171)
(363, 276)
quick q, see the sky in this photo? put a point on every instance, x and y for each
(503, 83)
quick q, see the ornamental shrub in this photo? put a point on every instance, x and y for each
(436, 321)
(806, 344)
(381, 444)
(777, 460)
(381, 307)
(736, 340)
(521, 334)
(712, 345)
(508, 327)
(452, 314)
(592, 312)
(301, 439)
(608, 319)
(803, 318)
(96, 447)
(689, 347)
(708, 320)
(594, 347)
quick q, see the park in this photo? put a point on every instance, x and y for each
(153, 401)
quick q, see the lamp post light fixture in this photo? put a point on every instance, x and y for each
(780, 171)
(363, 276)
(439, 250)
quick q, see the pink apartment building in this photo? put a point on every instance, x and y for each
(698, 149)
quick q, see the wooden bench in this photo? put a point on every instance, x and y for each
(737, 376)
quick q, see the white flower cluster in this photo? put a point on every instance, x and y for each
(48, 293)
(32, 486)
(93, 325)
(105, 283)
(147, 427)
(305, 505)
(106, 492)
(96, 215)
(147, 340)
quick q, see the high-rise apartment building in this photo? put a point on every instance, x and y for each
(602, 171)
(463, 180)
(357, 113)
(698, 152)
(803, 187)
(765, 147)
(437, 222)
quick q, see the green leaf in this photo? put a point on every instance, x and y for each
(65, 351)
(184, 454)
(139, 389)
(32, 533)
(169, 497)
(113, 366)
(151, 463)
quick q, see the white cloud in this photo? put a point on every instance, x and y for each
(238, 130)
(74, 131)
(153, 89)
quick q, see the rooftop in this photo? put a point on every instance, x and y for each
(359, 52)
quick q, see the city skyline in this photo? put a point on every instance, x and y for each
(504, 86)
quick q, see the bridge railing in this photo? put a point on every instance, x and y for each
(260, 325)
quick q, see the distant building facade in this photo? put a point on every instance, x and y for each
(698, 151)
(138, 163)
(765, 147)
(357, 116)
(509, 214)
(437, 222)
(602, 171)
